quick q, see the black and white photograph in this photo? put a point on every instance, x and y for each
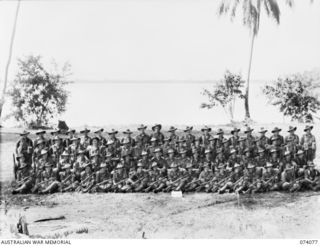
(159, 119)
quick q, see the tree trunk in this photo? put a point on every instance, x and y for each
(246, 99)
(9, 59)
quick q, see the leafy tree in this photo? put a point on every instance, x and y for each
(295, 96)
(38, 95)
(225, 93)
(251, 12)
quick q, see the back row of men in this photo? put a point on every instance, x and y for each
(159, 163)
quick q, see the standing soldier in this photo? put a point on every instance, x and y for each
(40, 136)
(25, 146)
(277, 141)
(71, 134)
(292, 141)
(128, 138)
(116, 141)
(204, 138)
(157, 134)
(126, 148)
(220, 138)
(263, 141)
(143, 138)
(308, 143)
(151, 149)
(189, 137)
(234, 139)
(101, 139)
(172, 135)
(85, 140)
(250, 141)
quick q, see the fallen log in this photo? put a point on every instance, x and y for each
(50, 218)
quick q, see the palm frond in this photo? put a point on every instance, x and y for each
(274, 10)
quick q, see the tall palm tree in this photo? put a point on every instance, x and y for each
(251, 10)
(9, 58)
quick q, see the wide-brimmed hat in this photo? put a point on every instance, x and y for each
(166, 139)
(273, 150)
(205, 164)
(43, 152)
(154, 164)
(157, 150)
(142, 126)
(269, 164)
(65, 153)
(71, 131)
(250, 166)
(188, 128)
(66, 166)
(40, 132)
(119, 166)
(189, 165)
(156, 125)
(307, 127)
(170, 151)
(206, 128)
(183, 151)
(20, 155)
(276, 129)
(23, 165)
(173, 165)
(287, 153)
(207, 151)
(85, 131)
(262, 130)
(24, 133)
(115, 159)
(110, 141)
(235, 130)
(48, 164)
(310, 164)
(95, 138)
(236, 165)
(139, 164)
(248, 129)
(127, 131)
(144, 153)
(172, 129)
(99, 130)
(40, 141)
(300, 152)
(220, 131)
(153, 139)
(232, 151)
(55, 131)
(292, 128)
(103, 164)
(113, 131)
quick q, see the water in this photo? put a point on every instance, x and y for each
(123, 103)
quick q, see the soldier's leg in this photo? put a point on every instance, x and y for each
(285, 186)
(51, 188)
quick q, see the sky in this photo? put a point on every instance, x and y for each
(159, 39)
(152, 40)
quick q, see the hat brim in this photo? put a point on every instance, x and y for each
(188, 129)
(41, 132)
(24, 133)
(206, 129)
(293, 129)
(276, 130)
(160, 126)
(142, 127)
(308, 128)
(114, 132)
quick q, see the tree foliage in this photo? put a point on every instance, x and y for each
(225, 93)
(39, 94)
(295, 96)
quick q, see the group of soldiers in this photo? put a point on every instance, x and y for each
(243, 162)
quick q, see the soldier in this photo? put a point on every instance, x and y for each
(233, 181)
(157, 134)
(71, 134)
(172, 135)
(103, 179)
(137, 151)
(81, 160)
(128, 138)
(195, 160)
(242, 146)
(274, 159)
(85, 139)
(145, 160)
(176, 178)
(261, 159)
(263, 141)
(205, 179)
(49, 180)
(74, 148)
(167, 146)
(270, 178)
(311, 179)
(101, 139)
(189, 137)
(234, 139)
(156, 181)
(233, 159)
(183, 159)
(119, 178)
(126, 148)
(141, 181)
(111, 148)
(251, 180)
(161, 162)
(220, 159)
(277, 141)
(40, 136)
(25, 146)
(204, 138)
(308, 142)
(181, 145)
(171, 158)
(116, 141)
(292, 141)
(301, 162)
(220, 177)
(24, 177)
(288, 178)
(57, 147)
(220, 138)
(143, 138)
(250, 141)
(192, 179)
(95, 162)
(64, 160)
(65, 177)
(87, 179)
(153, 147)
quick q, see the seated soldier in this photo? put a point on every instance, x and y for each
(24, 179)
(103, 179)
(205, 178)
(192, 179)
(311, 180)
(233, 180)
(119, 178)
(270, 178)
(288, 180)
(175, 177)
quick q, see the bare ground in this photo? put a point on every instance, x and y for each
(273, 215)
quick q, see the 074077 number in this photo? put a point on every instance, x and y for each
(308, 241)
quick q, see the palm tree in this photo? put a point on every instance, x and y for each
(9, 59)
(251, 10)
